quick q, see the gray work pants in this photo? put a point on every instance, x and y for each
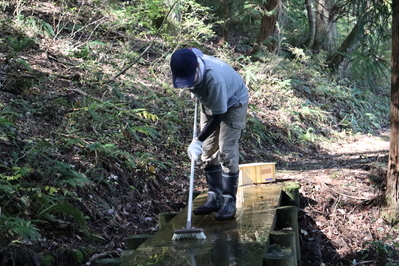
(222, 146)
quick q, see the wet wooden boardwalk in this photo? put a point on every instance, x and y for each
(240, 241)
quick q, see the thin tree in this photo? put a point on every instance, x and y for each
(392, 193)
(225, 27)
(312, 23)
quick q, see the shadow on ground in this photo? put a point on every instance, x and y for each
(316, 247)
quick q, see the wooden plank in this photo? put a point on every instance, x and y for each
(240, 241)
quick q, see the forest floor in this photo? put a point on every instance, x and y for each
(341, 198)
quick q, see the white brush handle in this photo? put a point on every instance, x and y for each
(191, 191)
(190, 195)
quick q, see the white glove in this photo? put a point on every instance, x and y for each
(195, 149)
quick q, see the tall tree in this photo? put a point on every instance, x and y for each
(268, 27)
(312, 22)
(325, 28)
(321, 36)
(226, 17)
(392, 193)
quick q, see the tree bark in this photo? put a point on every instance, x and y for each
(225, 27)
(351, 42)
(325, 27)
(268, 26)
(311, 21)
(391, 213)
(321, 34)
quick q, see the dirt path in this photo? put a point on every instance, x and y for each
(341, 195)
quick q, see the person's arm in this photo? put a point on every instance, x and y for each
(210, 127)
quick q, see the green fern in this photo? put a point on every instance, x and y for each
(111, 151)
(7, 124)
(148, 131)
(13, 226)
(20, 43)
(147, 159)
(17, 173)
(63, 208)
(6, 188)
(259, 132)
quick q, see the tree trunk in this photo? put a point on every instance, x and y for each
(350, 44)
(268, 26)
(352, 41)
(392, 193)
(225, 28)
(325, 28)
(321, 35)
(331, 26)
(311, 21)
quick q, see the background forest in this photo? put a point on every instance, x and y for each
(93, 136)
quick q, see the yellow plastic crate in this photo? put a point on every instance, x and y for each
(256, 173)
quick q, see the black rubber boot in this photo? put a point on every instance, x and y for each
(228, 209)
(213, 176)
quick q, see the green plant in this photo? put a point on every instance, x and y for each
(384, 253)
(20, 43)
(48, 260)
(147, 159)
(34, 25)
(56, 205)
(7, 125)
(48, 200)
(154, 12)
(18, 253)
(76, 254)
(187, 25)
(249, 75)
(308, 135)
(259, 132)
(14, 227)
(111, 151)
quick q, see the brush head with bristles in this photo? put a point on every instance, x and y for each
(188, 233)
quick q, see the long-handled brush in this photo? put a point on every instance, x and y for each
(190, 232)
